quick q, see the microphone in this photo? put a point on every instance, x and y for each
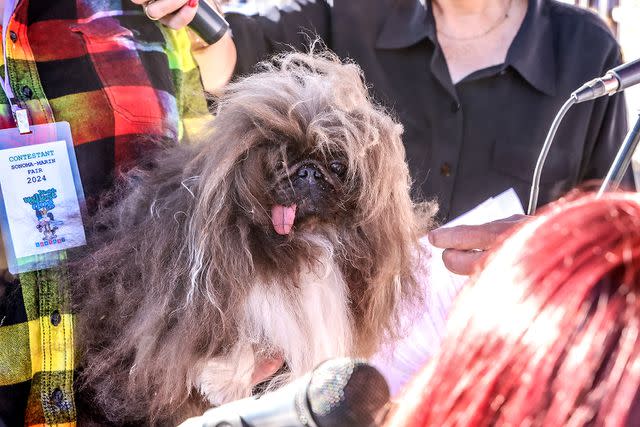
(339, 392)
(208, 24)
(615, 80)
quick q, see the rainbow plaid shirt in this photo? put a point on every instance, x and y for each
(118, 79)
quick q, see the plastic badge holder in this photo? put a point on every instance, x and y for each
(42, 197)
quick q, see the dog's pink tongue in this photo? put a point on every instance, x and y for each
(282, 218)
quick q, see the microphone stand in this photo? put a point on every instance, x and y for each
(623, 159)
(542, 158)
(615, 80)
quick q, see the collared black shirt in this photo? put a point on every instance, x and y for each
(472, 140)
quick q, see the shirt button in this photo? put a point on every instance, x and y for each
(445, 169)
(27, 92)
(13, 36)
(455, 107)
(55, 318)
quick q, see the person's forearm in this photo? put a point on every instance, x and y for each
(216, 62)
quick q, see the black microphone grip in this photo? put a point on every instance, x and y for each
(208, 24)
(627, 74)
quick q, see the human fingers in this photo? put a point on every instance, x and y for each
(182, 17)
(467, 237)
(266, 368)
(461, 262)
(160, 9)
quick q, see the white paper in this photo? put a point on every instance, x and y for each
(501, 206)
(400, 363)
(40, 176)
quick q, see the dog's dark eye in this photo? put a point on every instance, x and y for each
(338, 168)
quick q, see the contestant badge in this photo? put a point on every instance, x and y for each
(41, 195)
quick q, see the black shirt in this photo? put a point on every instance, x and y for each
(472, 140)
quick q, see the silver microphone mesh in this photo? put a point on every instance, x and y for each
(346, 392)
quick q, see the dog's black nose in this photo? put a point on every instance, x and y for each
(310, 173)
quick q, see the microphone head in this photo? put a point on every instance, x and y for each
(346, 392)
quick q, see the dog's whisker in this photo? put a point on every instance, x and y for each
(152, 207)
(184, 184)
(175, 216)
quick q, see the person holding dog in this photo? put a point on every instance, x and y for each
(119, 78)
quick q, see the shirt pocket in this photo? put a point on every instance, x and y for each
(519, 161)
(132, 67)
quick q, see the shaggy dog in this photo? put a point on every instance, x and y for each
(286, 233)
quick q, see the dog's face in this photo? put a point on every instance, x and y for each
(311, 188)
(295, 187)
(314, 152)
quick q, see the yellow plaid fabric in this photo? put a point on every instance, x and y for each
(118, 79)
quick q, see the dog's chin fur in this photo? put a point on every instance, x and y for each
(315, 318)
(186, 282)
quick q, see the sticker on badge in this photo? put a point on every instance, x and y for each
(42, 196)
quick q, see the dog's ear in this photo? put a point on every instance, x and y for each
(384, 244)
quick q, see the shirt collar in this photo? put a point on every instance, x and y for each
(406, 24)
(531, 53)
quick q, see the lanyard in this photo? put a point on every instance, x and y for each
(19, 114)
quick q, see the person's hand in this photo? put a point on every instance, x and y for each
(464, 245)
(216, 61)
(266, 367)
(174, 14)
